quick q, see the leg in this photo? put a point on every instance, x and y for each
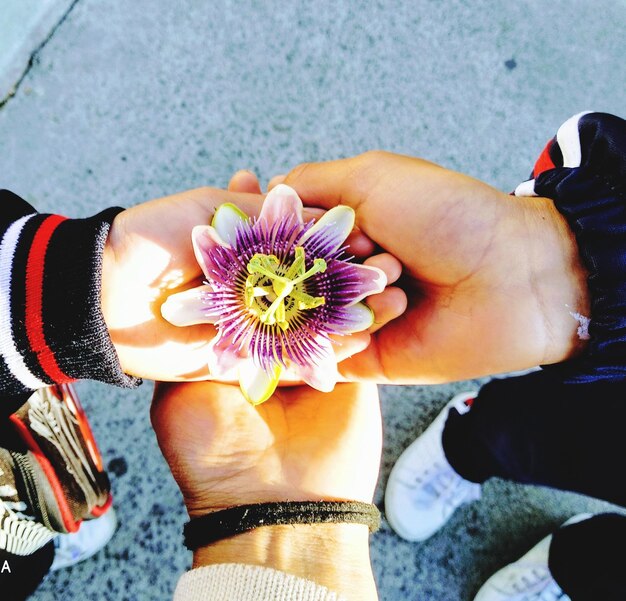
(51, 479)
(587, 559)
(22, 574)
(536, 430)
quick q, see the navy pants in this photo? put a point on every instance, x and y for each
(535, 429)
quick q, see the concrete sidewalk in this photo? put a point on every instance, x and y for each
(133, 100)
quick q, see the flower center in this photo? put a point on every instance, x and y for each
(275, 292)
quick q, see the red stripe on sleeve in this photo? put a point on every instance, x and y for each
(34, 300)
(544, 162)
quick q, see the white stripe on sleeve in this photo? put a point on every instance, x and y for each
(8, 350)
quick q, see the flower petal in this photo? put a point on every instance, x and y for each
(206, 241)
(330, 231)
(354, 318)
(281, 201)
(323, 374)
(188, 308)
(224, 358)
(371, 280)
(257, 384)
(227, 219)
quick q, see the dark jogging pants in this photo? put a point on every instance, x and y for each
(534, 429)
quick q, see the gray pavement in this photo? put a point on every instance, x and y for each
(133, 100)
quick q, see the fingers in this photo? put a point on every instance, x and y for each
(331, 183)
(277, 179)
(358, 243)
(386, 263)
(389, 304)
(244, 181)
(347, 346)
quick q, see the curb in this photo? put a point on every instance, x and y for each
(25, 25)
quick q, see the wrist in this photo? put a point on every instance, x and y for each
(333, 555)
(557, 280)
(109, 280)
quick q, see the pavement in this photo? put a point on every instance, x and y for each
(128, 101)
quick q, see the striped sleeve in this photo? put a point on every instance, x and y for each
(51, 326)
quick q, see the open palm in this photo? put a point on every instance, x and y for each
(299, 445)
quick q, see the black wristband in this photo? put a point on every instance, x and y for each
(215, 526)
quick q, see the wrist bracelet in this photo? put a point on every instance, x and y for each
(212, 527)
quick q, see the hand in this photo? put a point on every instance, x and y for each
(493, 280)
(149, 255)
(299, 445)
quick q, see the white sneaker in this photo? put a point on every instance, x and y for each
(423, 490)
(92, 536)
(528, 578)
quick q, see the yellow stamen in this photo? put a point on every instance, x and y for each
(281, 286)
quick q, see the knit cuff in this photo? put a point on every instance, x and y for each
(54, 331)
(583, 169)
(248, 583)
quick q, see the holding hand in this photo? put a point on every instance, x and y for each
(484, 270)
(299, 445)
(149, 256)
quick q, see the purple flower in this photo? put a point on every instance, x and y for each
(276, 289)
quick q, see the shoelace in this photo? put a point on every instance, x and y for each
(536, 584)
(16, 507)
(442, 484)
(20, 534)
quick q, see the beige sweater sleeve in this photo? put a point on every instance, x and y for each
(233, 581)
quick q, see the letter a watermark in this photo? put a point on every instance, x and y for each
(5, 567)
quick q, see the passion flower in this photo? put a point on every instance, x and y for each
(276, 289)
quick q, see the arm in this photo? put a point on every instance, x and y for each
(482, 268)
(327, 561)
(51, 326)
(80, 297)
(299, 445)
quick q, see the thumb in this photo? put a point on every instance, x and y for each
(330, 183)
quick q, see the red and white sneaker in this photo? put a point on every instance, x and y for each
(61, 469)
(423, 490)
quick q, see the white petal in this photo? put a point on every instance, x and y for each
(227, 219)
(332, 228)
(281, 201)
(358, 317)
(371, 281)
(256, 384)
(188, 308)
(322, 376)
(205, 239)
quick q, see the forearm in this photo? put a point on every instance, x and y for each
(51, 326)
(335, 556)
